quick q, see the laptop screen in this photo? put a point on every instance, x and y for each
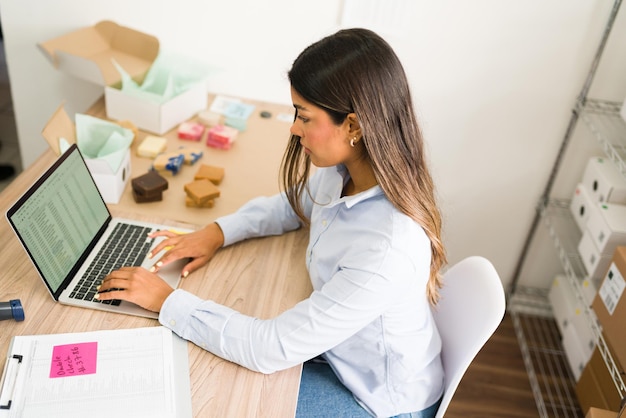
(59, 219)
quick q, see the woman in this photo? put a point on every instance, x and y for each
(374, 251)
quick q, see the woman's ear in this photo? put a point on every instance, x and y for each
(354, 127)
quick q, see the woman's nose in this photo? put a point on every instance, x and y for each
(294, 129)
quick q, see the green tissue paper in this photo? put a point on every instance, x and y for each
(101, 139)
(170, 75)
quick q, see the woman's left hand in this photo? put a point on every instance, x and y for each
(136, 285)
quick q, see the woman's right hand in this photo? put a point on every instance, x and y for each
(200, 246)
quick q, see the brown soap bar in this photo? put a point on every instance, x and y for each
(201, 191)
(189, 202)
(151, 198)
(149, 184)
(211, 173)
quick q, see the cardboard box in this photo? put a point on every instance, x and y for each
(88, 53)
(610, 304)
(153, 117)
(595, 388)
(600, 413)
(110, 184)
(580, 205)
(604, 181)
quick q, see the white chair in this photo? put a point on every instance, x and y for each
(471, 307)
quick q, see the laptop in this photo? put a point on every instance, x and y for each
(66, 228)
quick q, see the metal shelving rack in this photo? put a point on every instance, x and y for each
(549, 374)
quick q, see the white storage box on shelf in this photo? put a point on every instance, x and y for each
(574, 351)
(604, 181)
(607, 227)
(594, 261)
(577, 336)
(580, 205)
(563, 301)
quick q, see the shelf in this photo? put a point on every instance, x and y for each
(550, 378)
(565, 233)
(605, 122)
(548, 371)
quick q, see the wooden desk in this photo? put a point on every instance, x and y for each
(260, 277)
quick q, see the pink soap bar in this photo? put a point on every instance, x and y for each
(190, 130)
(221, 136)
(217, 144)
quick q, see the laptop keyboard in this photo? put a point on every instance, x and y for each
(127, 246)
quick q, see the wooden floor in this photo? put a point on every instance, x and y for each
(496, 384)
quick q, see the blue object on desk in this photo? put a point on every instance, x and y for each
(12, 310)
(236, 115)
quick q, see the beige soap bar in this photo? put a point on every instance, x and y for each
(151, 146)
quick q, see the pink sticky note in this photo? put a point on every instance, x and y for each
(74, 359)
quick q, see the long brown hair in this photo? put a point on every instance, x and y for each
(356, 71)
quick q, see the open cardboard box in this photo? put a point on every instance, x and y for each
(88, 53)
(110, 184)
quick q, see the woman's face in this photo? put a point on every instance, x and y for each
(326, 143)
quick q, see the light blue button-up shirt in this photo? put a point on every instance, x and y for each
(368, 314)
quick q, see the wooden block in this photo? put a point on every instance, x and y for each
(214, 174)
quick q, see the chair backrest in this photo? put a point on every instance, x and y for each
(471, 307)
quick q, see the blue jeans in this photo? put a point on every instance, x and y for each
(323, 395)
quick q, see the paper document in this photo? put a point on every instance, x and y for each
(140, 372)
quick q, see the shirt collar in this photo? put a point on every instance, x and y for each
(350, 201)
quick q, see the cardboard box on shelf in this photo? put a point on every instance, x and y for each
(610, 304)
(91, 53)
(600, 413)
(110, 183)
(596, 388)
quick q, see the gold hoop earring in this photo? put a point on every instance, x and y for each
(352, 142)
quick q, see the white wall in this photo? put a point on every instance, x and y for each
(493, 80)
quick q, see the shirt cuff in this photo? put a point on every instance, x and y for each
(199, 321)
(177, 309)
(230, 226)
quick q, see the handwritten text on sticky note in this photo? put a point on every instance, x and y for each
(74, 359)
